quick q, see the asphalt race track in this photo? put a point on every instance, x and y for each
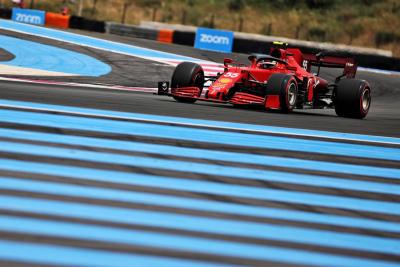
(110, 176)
(383, 118)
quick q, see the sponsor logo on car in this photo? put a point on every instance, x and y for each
(217, 85)
(225, 80)
(29, 16)
(214, 40)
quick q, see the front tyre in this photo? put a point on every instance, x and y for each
(352, 98)
(187, 74)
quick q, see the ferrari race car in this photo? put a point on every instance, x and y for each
(281, 80)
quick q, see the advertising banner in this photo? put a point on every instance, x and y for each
(214, 40)
(29, 16)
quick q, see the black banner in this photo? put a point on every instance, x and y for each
(82, 23)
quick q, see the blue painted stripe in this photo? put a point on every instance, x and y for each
(45, 57)
(61, 255)
(204, 154)
(175, 242)
(239, 191)
(210, 225)
(199, 135)
(91, 41)
(213, 206)
(122, 215)
(210, 123)
(201, 168)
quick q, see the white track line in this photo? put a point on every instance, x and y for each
(87, 85)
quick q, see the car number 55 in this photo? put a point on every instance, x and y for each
(231, 75)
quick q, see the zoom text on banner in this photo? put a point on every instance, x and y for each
(214, 40)
(29, 16)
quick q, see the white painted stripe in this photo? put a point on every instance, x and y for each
(385, 72)
(15, 70)
(73, 84)
(207, 73)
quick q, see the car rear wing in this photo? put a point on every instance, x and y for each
(323, 59)
(328, 61)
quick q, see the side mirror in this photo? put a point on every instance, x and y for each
(163, 88)
(227, 61)
(320, 55)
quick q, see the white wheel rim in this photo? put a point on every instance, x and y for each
(292, 94)
(366, 99)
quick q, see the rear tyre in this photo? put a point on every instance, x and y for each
(286, 87)
(352, 98)
(187, 74)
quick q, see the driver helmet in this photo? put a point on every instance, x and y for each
(267, 64)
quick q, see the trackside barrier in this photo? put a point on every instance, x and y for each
(243, 42)
(256, 43)
(165, 35)
(250, 46)
(5, 13)
(184, 37)
(131, 31)
(76, 22)
(57, 20)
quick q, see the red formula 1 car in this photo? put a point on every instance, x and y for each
(282, 80)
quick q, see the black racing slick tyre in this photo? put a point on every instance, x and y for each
(352, 98)
(187, 74)
(285, 86)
